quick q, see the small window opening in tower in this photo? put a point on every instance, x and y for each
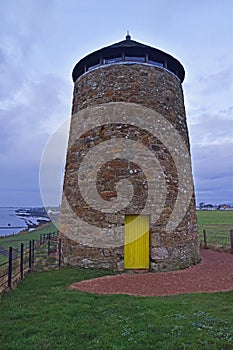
(135, 59)
(155, 63)
(93, 67)
(112, 60)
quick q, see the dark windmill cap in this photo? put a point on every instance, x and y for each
(132, 51)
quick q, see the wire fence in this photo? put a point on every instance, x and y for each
(43, 254)
(207, 245)
(35, 255)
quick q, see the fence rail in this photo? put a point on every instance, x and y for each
(206, 245)
(41, 254)
(44, 253)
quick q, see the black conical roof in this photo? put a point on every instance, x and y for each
(130, 48)
(128, 43)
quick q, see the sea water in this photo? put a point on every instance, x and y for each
(11, 223)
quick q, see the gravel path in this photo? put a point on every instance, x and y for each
(214, 273)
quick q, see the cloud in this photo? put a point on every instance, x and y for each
(209, 106)
(40, 42)
(211, 128)
(210, 92)
(212, 158)
(31, 107)
(210, 120)
(216, 82)
(33, 114)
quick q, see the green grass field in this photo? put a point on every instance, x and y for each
(3, 259)
(217, 224)
(16, 240)
(43, 313)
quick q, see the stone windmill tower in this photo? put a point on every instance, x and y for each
(128, 199)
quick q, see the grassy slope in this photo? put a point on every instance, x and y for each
(217, 224)
(3, 259)
(16, 240)
(42, 313)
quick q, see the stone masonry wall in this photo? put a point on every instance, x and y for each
(128, 153)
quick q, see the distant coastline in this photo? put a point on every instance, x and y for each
(14, 220)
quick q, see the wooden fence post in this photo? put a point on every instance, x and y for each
(49, 243)
(21, 260)
(33, 252)
(205, 240)
(231, 238)
(10, 267)
(59, 253)
(30, 255)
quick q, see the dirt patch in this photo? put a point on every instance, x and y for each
(217, 247)
(213, 274)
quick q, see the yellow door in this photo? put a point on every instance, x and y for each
(136, 245)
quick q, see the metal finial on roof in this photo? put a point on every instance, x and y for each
(128, 37)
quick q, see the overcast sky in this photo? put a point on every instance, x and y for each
(42, 40)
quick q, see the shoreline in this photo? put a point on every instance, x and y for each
(20, 220)
(36, 228)
(28, 230)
